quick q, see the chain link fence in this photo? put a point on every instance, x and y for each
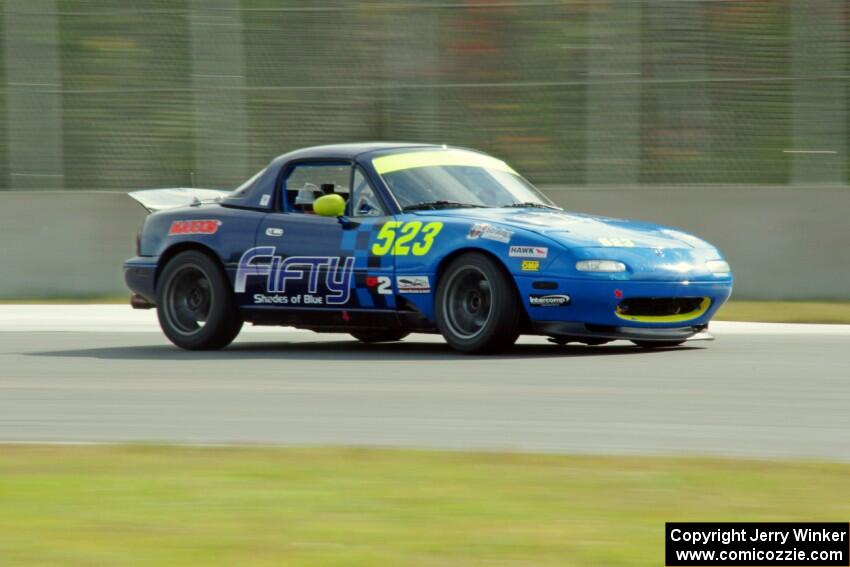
(110, 95)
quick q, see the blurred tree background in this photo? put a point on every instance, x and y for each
(120, 94)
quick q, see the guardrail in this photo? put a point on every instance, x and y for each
(782, 242)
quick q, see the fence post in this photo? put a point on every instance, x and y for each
(818, 45)
(613, 96)
(218, 81)
(34, 94)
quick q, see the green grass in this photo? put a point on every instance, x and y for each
(151, 506)
(786, 311)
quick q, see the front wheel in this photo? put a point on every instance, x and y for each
(477, 306)
(195, 304)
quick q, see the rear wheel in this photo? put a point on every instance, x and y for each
(195, 304)
(477, 306)
(657, 344)
(379, 336)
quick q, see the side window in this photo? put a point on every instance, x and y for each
(307, 182)
(364, 201)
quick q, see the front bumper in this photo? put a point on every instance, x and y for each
(592, 307)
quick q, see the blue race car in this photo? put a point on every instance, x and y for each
(380, 240)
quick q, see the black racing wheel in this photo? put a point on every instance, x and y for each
(195, 303)
(477, 306)
(379, 335)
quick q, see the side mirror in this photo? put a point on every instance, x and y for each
(329, 206)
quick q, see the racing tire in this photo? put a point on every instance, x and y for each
(477, 306)
(658, 344)
(378, 336)
(195, 304)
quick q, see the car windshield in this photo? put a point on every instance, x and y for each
(455, 178)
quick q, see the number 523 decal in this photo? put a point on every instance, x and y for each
(402, 238)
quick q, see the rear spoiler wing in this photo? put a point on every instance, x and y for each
(160, 199)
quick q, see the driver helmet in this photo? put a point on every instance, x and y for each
(307, 194)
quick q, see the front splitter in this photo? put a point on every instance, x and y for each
(570, 329)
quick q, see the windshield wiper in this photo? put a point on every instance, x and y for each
(530, 205)
(431, 205)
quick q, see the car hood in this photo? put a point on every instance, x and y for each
(581, 230)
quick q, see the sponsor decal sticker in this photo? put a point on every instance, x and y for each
(264, 200)
(548, 300)
(263, 299)
(489, 232)
(528, 252)
(413, 284)
(327, 279)
(618, 293)
(530, 265)
(206, 226)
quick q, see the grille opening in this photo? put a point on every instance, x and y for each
(659, 306)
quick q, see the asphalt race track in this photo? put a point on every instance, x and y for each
(105, 373)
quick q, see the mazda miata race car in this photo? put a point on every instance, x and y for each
(380, 240)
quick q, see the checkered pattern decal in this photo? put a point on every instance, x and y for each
(357, 242)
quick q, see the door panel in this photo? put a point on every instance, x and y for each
(304, 261)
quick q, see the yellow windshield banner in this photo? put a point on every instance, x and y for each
(410, 160)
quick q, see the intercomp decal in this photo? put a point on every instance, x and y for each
(548, 300)
(281, 274)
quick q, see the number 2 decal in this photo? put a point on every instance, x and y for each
(385, 285)
(421, 237)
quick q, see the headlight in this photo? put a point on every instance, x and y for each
(600, 266)
(718, 266)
